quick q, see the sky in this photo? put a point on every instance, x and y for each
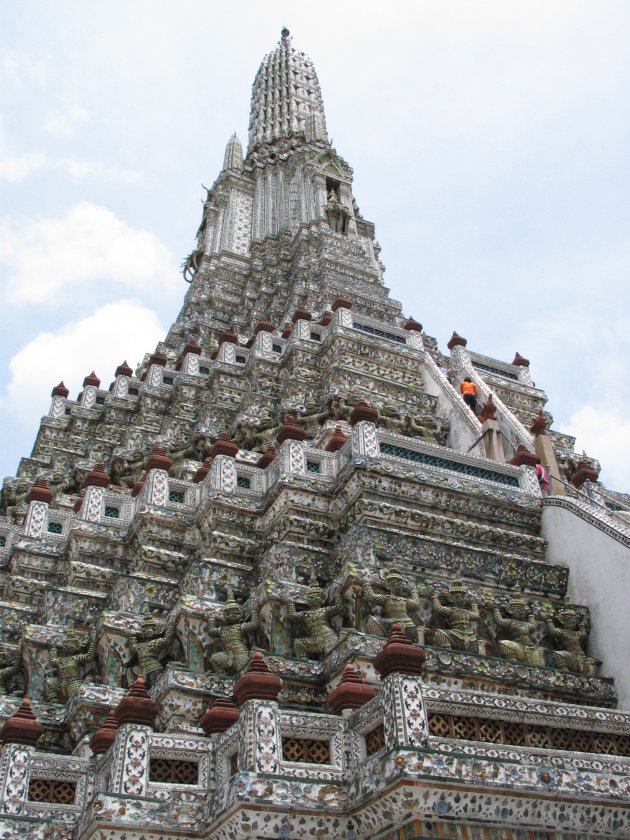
(490, 146)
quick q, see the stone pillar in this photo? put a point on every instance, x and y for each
(39, 499)
(121, 383)
(414, 337)
(91, 385)
(301, 329)
(493, 440)
(15, 767)
(404, 713)
(263, 342)
(227, 353)
(544, 450)
(292, 457)
(342, 312)
(157, 466)
(59, 396)
(223, 474)
(259, 737)
(130, 760)
(155, 370)
(96, 481)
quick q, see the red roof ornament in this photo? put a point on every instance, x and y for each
(92, 379)
(290, 430)
(228, 337)
(104, 737)
(539, 426)
(263, 325)
(97, 477)
(337, 440)
(412, 325)
(137, 707)
(326, 318)
(341, 302)
(258, 682)
(456, 341)
(488, 411)
(60, 391)
(363, 411)
(193, 347)
(40, 492)
(203, 471)
(523, 457)
(288, 329)
(268, 457)
(223, 446)
(301, 314)
(137, 487)
(520, 360)
(22, 727)
(351, 693)
(123, 370)
(584, 472)
(219, 717)
(158, 359)
(158, 460)
(399, 655)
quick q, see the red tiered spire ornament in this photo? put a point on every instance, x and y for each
(158, 460)
(22, 727)
(258, 682)
(351, 693)
(40, 492)
(363, 411)
(104, 737)
(290, 430)
(399, 655)
(97, 477)
(219, 717)
(137, 706)
(456, 340)
(223, 446)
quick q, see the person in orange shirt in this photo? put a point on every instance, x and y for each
(469, 392)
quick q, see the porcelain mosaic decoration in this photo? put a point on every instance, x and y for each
(281, 581)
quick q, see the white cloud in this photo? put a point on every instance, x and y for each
(605, 435)
(125, 329)
(65, 122)
(18, 167)
(87, 246)
(79, 169)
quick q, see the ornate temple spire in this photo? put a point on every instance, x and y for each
(233, 160)
(286, 98)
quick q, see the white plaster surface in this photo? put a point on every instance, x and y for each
(599, 578)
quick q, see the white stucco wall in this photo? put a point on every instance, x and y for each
(599, 578)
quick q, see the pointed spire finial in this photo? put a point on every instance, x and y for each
(233, 159)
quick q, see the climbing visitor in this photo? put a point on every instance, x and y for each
(469, 393)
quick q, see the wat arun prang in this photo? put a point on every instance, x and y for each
(281, 581)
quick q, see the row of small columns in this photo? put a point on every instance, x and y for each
(399, 664)
(188, 362)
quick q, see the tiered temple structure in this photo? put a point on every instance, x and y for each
(282, 582)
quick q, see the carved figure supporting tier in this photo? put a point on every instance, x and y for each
(518, 626)
(147, 647)
(74, 652)
(570, 639)
(394, 607)
(320, 638)
(233, 636)
(10, 664)
(461, 615)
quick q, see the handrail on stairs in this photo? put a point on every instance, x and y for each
(577, 492)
